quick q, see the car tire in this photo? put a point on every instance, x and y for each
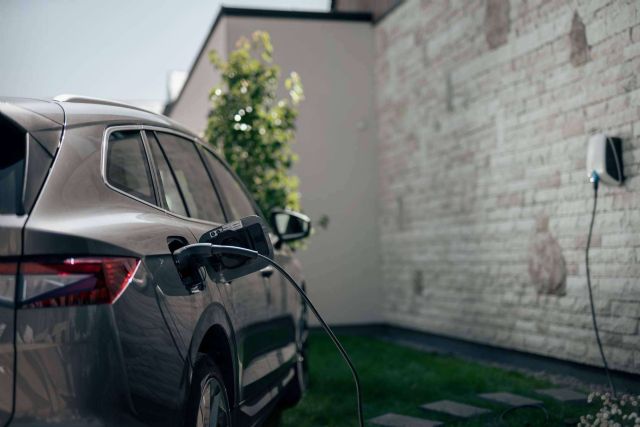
(208, 397)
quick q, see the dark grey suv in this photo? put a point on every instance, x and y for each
(97, 325)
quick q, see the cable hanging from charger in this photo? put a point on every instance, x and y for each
(329, 332)
(206, 250)
(595, 179)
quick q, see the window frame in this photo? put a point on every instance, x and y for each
(212, 180)
(243, 187)
(156, 175)
(150, 163)
(105, 159)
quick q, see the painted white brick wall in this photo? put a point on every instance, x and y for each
(482, 154)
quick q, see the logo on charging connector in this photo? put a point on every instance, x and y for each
(232, 226)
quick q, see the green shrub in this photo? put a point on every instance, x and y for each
(251, 127)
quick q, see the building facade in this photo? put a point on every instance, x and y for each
(446, 141)
(484, 109)
(336, 143)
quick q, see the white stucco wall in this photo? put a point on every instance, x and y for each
(336, 143)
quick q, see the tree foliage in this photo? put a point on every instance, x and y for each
(251, 127)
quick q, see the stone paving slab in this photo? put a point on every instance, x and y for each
(455, 408)
(396, 420)
(510, 399)
(565, 395)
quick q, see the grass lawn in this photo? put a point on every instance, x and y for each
(399, 379)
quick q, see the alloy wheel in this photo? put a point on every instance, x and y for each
(213, 410)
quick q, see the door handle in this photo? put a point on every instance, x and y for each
(266, 272)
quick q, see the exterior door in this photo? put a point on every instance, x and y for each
(246, 297)
(274, 335)
(157, 314)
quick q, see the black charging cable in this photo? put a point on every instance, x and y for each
(329, 332)
(513, 409)
(595, 179)
(207, 250)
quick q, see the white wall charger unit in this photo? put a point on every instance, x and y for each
(604, 156)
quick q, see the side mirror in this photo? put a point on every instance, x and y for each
(289, 225)
(221, 252)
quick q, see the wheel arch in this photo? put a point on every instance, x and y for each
(215, 344)
(215, 337)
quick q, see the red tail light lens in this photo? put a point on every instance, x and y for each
(75, 281)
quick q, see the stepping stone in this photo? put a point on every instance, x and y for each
(396, 420)
(510, 399)
(454, 408)
(565, 395)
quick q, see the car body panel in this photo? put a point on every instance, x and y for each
(268, 348)
(7, 357)
(69, 367)
(42, 124)
(71, 219)
(44, 120)
(130, 363)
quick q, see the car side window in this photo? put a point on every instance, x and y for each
(127, 166)
(192, 177)
(237, 199)
(169, 189)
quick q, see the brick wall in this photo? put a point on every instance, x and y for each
(484, 109)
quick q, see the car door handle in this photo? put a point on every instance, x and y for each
(266, 272)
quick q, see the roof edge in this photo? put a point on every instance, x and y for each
(331, 15)
(388, 12)
(266, 13)
(79, 99)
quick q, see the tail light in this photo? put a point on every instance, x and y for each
(75, 281)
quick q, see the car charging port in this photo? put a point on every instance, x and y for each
(193, 276)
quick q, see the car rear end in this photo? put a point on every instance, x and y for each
(24, 161)
(60, 362)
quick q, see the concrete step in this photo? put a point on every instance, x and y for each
(397, 420)
(565, 395)
(455, 408)
(510, 399)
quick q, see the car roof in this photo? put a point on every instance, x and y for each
(80, 110)
(77, 111)
(31, 112)
(44, 120)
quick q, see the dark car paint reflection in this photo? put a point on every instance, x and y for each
(129, 363)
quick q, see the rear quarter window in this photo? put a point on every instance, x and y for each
(12, 163)
(127, 165)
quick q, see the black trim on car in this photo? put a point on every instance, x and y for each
(103, 164)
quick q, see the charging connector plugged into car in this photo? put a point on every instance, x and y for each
(240, 248)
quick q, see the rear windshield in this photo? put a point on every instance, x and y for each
(12, 159)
